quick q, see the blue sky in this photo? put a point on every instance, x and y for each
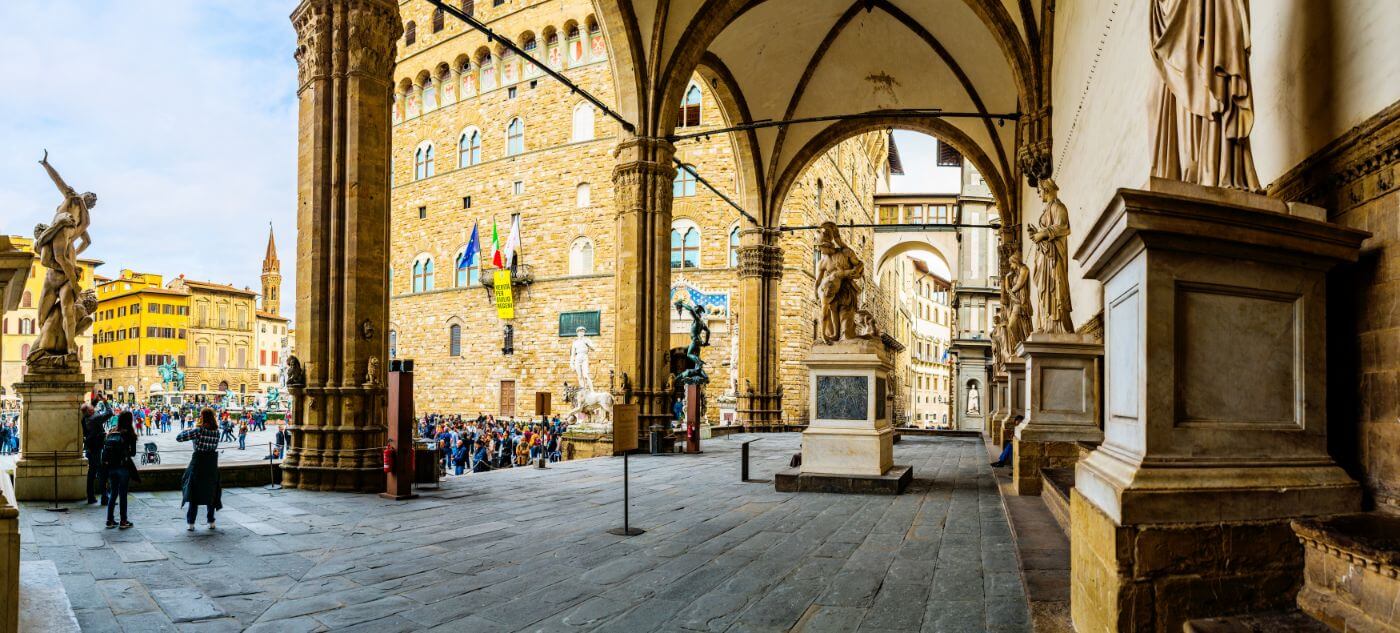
(179, 114)
(919, 153)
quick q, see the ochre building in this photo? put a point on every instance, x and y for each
(140, 326)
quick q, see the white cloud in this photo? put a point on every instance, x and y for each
(180, 115)
(919, 154)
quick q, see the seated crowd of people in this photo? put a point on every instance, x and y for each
(485, 443)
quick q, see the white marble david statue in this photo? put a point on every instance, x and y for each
(578, 359)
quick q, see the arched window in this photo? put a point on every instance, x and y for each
(690, 108)
(684, 185)
(410, 33)
(583, 195)
(454, 340)
(734, 247)
(581, 257)
(685, 245)
(515, 137)
(428, 275)
(27, 300)
(423, 166)
(437, 19)
(819, 193)
(393, 343)
(583, 122)
(469, 148)
(423, 274)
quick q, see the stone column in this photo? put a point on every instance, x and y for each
(1062, 405)
(642, 182)
(1215, 407)
(760, 278)
(999, 413)
(1015, 396)
(345, 55)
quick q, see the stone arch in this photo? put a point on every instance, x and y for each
(941, 250)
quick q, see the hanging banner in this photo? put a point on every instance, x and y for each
(505, 302)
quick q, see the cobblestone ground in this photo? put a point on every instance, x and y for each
(526, 550)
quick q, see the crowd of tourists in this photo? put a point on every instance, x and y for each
(111, 448)
(9, 432)
(485, 443)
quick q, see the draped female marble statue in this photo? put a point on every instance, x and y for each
(838, 285)
(998, 344)
(1019, 312)
(65, 311)
(1051, 238)
(1206, 109)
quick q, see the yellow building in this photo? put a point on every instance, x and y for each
(21, 325)
(140, 325)
(221, 341)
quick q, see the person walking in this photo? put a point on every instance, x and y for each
(459, 456)
(118, 447)
(242, 435)
(201, 482)
(94, 426)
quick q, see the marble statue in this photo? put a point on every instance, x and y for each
(593, 408)
(974, 400)
(1019, 312)
(733, 354)
(1051, 238)
(838, 285)
(998, 344)
(1206, 108)
(699, 337)
(372, 372)
(865, 325)
(65, 310)
(578, 358)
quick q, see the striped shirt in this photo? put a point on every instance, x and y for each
(204, 439)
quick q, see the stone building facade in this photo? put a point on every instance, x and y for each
(140, 325)
(219, 356)
(480, 137)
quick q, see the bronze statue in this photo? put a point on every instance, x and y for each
(296, 376)
(1051, 239)
(838, 285)
(699, 337)
(64, 309)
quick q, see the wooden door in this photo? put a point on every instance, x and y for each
(507, 398)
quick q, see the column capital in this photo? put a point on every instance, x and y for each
(761, 260)
(644, 149)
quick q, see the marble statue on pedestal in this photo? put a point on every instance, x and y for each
(838, 285)
(1019, 311)
(974, 400)
(64, 309)
(578, 358)
(998, 344)
(1206, 108)
(1051, 238)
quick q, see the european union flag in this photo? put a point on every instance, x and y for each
(473, 251)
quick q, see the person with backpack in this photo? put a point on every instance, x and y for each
(201, 482)
(94, 425)
(118, 447)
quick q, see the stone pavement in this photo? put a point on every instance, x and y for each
(174, 453)
(525, 550)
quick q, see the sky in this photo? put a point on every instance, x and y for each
(919, 154)
(179, 114)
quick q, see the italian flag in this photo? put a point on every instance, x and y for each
(496, 259)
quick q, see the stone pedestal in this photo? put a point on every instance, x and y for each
(848, 445)
(9, 556)
(51, 436)
(1015, 396)
(1215, 405)
(1062, 405)
(1351, 577)
(1000, 409)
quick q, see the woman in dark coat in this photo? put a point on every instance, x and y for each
(118, 446)
(201, 483)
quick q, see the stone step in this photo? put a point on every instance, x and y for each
(1055, 493)
(1292, 621)
(43, 602)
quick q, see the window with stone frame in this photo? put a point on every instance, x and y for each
(468, 7)
(581, 257)
(690, 108)
(685, 245)
(684, 185)
(454, 340)
(410, 33)
(469, 148)
(423, 161)
(515, 137)
(583, 195)
(583, 123)
(438, 19)
(734, 247)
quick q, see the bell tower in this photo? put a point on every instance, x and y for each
(271, 277)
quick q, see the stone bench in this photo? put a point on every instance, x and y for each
(1351, 578)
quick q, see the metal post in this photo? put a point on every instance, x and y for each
(55, 507)
(626, 529)
(271, 471)
(744, 467)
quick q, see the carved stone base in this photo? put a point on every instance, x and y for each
(51, 463)
(345, 457)
(1062, 405)
(850, 432)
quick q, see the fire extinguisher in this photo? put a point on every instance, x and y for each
(389, 458)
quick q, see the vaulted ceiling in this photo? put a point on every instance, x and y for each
(784, 59)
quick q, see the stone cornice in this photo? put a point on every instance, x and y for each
(1353, 169)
